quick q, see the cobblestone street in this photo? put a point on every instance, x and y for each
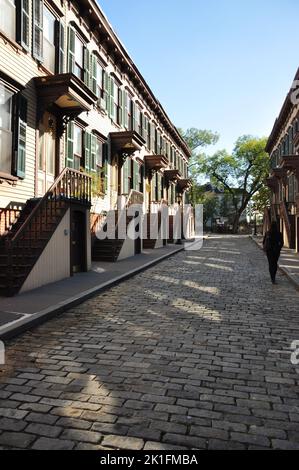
(193, 353)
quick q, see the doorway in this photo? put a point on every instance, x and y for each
(46, 154)
(138, 231)
(78, 245)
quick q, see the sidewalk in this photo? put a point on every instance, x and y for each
(24, 311)
(288, 262)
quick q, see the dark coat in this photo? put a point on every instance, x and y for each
(273, 242)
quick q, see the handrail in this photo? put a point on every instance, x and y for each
(8, 218)
(49, 194)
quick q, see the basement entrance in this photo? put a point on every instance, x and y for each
(78, 248)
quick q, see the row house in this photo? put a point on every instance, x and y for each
(79, 130)
(283, 149)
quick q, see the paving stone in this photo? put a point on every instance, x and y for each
(120, 442)
(7, 424)
(43, 430)
(44, 443)
(187, 441)
(81, 436)
(16, 440)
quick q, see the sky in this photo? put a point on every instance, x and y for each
(223, 65)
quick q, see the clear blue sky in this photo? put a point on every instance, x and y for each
(224, 65)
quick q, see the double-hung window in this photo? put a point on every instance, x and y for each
(78, 147)
(13, 129)
(49, 40)
(100, 83)
(79, 58)
(8, 18)
(6, 110)
(138, 120)
(128, 111)
(116, 103)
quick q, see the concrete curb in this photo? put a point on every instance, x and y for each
(285, 271)
(31, 321)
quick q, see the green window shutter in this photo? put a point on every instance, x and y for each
(37, 29)
(93, 152)
(106, 90)
(87, 67)
(111, 98)
(134, 123)
(159, 186)
(125, 105)
(136, 168)
(93, 74)
(23, 19)
(121, 107)
(105, 167)
(145, 125)
(126, 176)
(70, 145)
(87, 150)
(71, 49)
(20, 137)
(154, 187)
(59, 43)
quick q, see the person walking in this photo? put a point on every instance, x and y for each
(272, 244)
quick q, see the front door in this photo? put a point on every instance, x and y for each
(78, 242)
(46, 157)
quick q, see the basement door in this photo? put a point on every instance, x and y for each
(47, 152)
(78, 249)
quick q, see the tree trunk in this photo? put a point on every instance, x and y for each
(236, 222)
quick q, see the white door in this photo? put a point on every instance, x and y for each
(46, 157)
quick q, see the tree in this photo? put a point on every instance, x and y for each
(208, 199)
(261, 199)
(197, 140)
(241, 174)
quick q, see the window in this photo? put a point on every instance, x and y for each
(13, 126)
(127, 176)
(138, 119)
(137, 176)
(100, 83)
(99, 155)
(149, 135)
(128, 111)
(104, 169)
(78, 141)
(79, 54)
(116, 103)
(6, 110)
(37, 27)
(49, 40)
(8, 18)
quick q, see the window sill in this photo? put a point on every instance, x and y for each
(101, 110)
(118, 126)
(10, 41)
(44, 69)
(10, 179)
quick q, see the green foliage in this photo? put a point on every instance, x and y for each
(197, 140)
(261, 199)
(207, 199)
(241, 174)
